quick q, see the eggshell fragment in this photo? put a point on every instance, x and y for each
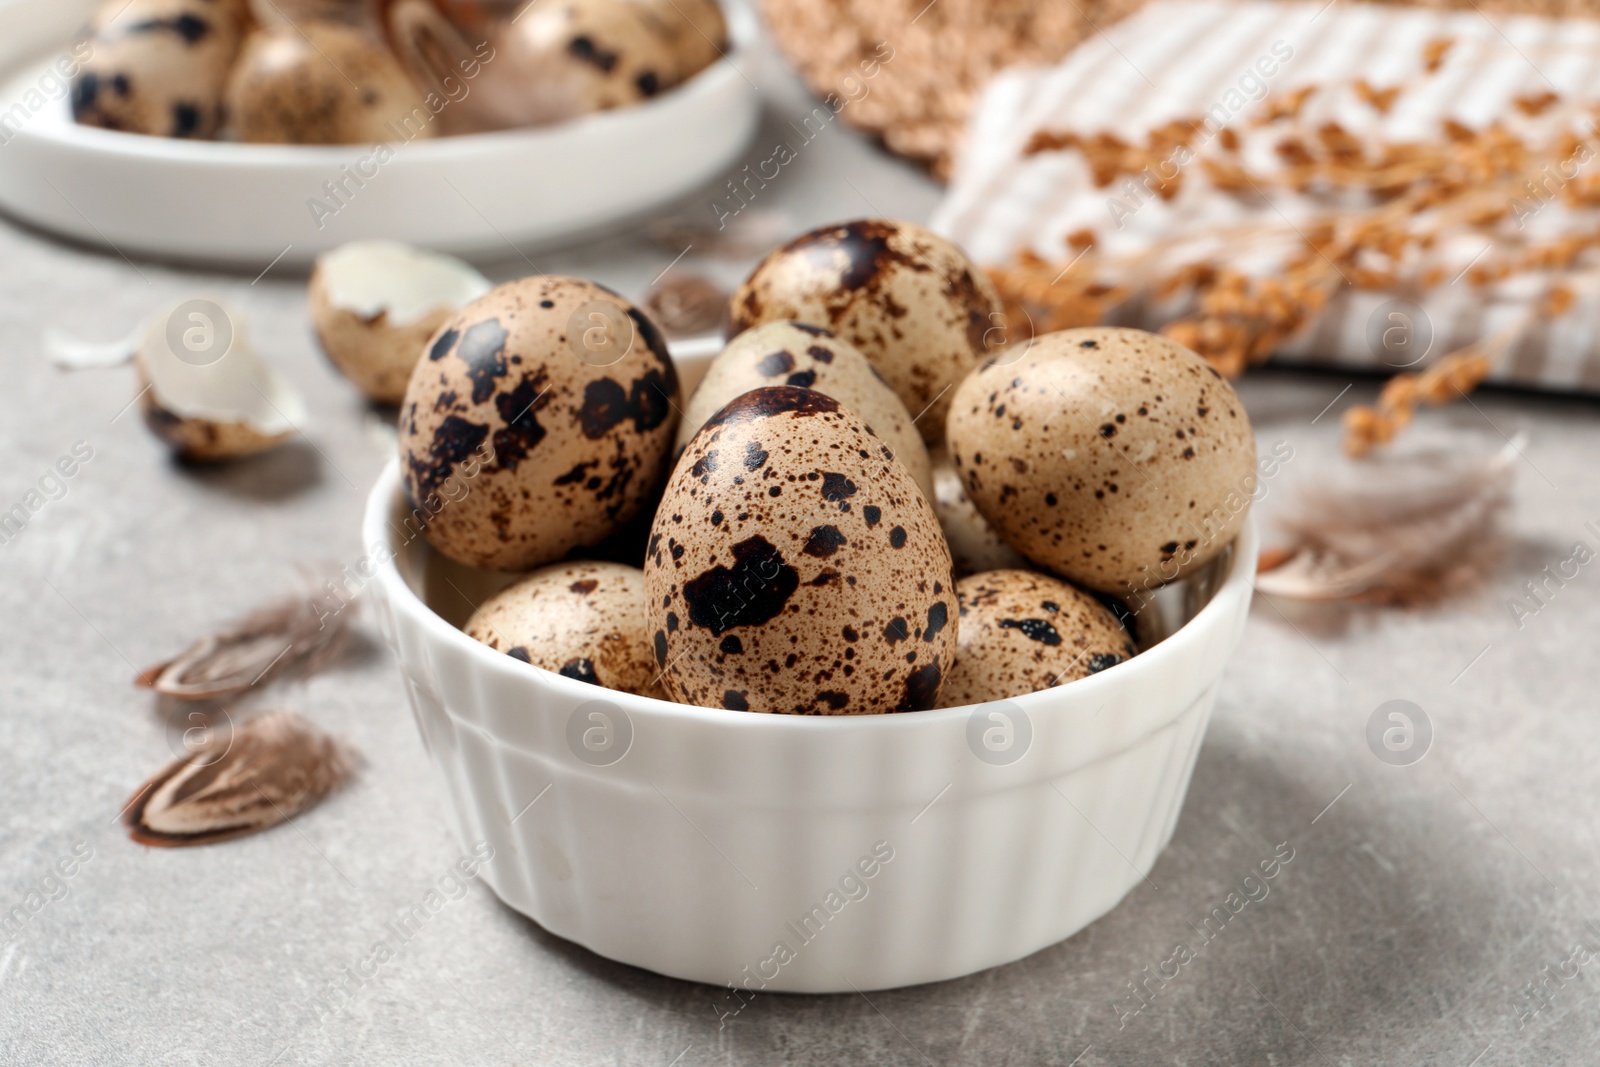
(792, 353)
(158, 66)
(1022, 631)
(204, 392)
(375, 304)
(584, 621)
(974, 546)
(539, 420)
(1115, 458)
(908, 299)
(794, 566)
(322, 83)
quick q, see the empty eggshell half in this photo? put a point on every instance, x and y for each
(205, 392)
(584, 621)
(1022, 631)
(793, 353)
(375, 304)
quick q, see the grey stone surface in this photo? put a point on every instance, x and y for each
(1419, 903)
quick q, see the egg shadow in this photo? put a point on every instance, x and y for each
(279, 474)
(1243, 803)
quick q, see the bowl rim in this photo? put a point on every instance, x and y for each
(705, 83)
(386, 493)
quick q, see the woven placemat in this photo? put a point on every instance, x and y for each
(942, 53)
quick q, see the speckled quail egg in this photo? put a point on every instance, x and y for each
(910, 300)
(158, 66)
(581, 620)
(540, 419)
(795, 567)
(793, 353)
(322, 83)
(1115, 458)
(1022, 631)
(203, 390)
(694, 30)
(974, 546)
(375, 304)
(573, 57)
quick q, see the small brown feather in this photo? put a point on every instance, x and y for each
(1409, 531)
(293, 632)
(268, 770)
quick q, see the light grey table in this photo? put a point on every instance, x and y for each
(1419, 905)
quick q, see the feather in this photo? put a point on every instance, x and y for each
(292, 632)
(270, 769)
(1411, 530)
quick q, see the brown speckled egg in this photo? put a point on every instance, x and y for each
(157, 66)
(910, 300)
(793, 353)
(795, 567)
(323, 83)
(581, 620)
(539, 419)
(579, 56)
(974, 546)
(1115, 458)
(1022, 631)
(695, 30)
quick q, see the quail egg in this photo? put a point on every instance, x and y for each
(794, 566)
(974, 546)
(375, 304)
(539, 419)
(1114, 458)
(908, 299)
(582, 620)
(1022, 631)
(694, 30)
(322, 83)
(158, 66)
(793, 353)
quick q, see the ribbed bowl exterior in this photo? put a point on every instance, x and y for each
(786, 853)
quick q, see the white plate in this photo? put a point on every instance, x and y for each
(493, 194)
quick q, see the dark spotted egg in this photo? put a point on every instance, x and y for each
(1022, 631)
(582, 620)
(794, 353)
(539, 419)
(1114, 458)
(911, 301)
(158, 66)
(579, 56)
(795, 567)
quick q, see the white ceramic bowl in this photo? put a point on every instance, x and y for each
(490, 194)
(877, 851)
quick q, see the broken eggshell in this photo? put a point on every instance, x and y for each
(205, 392)
(375, 304)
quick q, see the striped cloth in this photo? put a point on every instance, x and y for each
(1176, 60)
